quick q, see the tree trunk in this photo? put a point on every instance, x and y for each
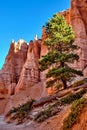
(64, 83)
(63, 79)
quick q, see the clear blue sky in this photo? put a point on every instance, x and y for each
(25, 18)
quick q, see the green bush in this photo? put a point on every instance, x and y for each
(45, 114)
(71, 97)
(21, 112)
(73, 117)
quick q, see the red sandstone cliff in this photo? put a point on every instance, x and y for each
(76, 16)
(21, 69)
(10, 73)
(30, 74)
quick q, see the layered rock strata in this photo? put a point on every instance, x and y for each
(10, 73)
(30, 74)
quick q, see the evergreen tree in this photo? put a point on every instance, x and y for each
(60, 38)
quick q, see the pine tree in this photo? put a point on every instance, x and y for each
(60, 38)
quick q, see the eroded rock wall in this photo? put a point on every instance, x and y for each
(30, 74)
(10, 73)
(76, 17)
(78, 20)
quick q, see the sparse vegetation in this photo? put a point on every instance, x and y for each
(45, 114)
(73, 117)
(71, 97)
(21, 112)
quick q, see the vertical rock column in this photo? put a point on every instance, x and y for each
(77, 18)
(30, 74)
(12, 67)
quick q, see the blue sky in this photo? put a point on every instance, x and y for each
(24, 19)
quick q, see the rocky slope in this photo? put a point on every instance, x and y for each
(21, 65)
(20, 75)
(55, 122)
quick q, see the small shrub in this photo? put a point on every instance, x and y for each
(21, 111)
(13, 110)
(71, 97)
(73, 117)
(45, 114)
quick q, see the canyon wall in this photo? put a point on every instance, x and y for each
(21, 69)
(78, 21)
(10, 73)
(76, 17)
(30, 74)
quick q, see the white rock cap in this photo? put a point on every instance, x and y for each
(36, 37)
